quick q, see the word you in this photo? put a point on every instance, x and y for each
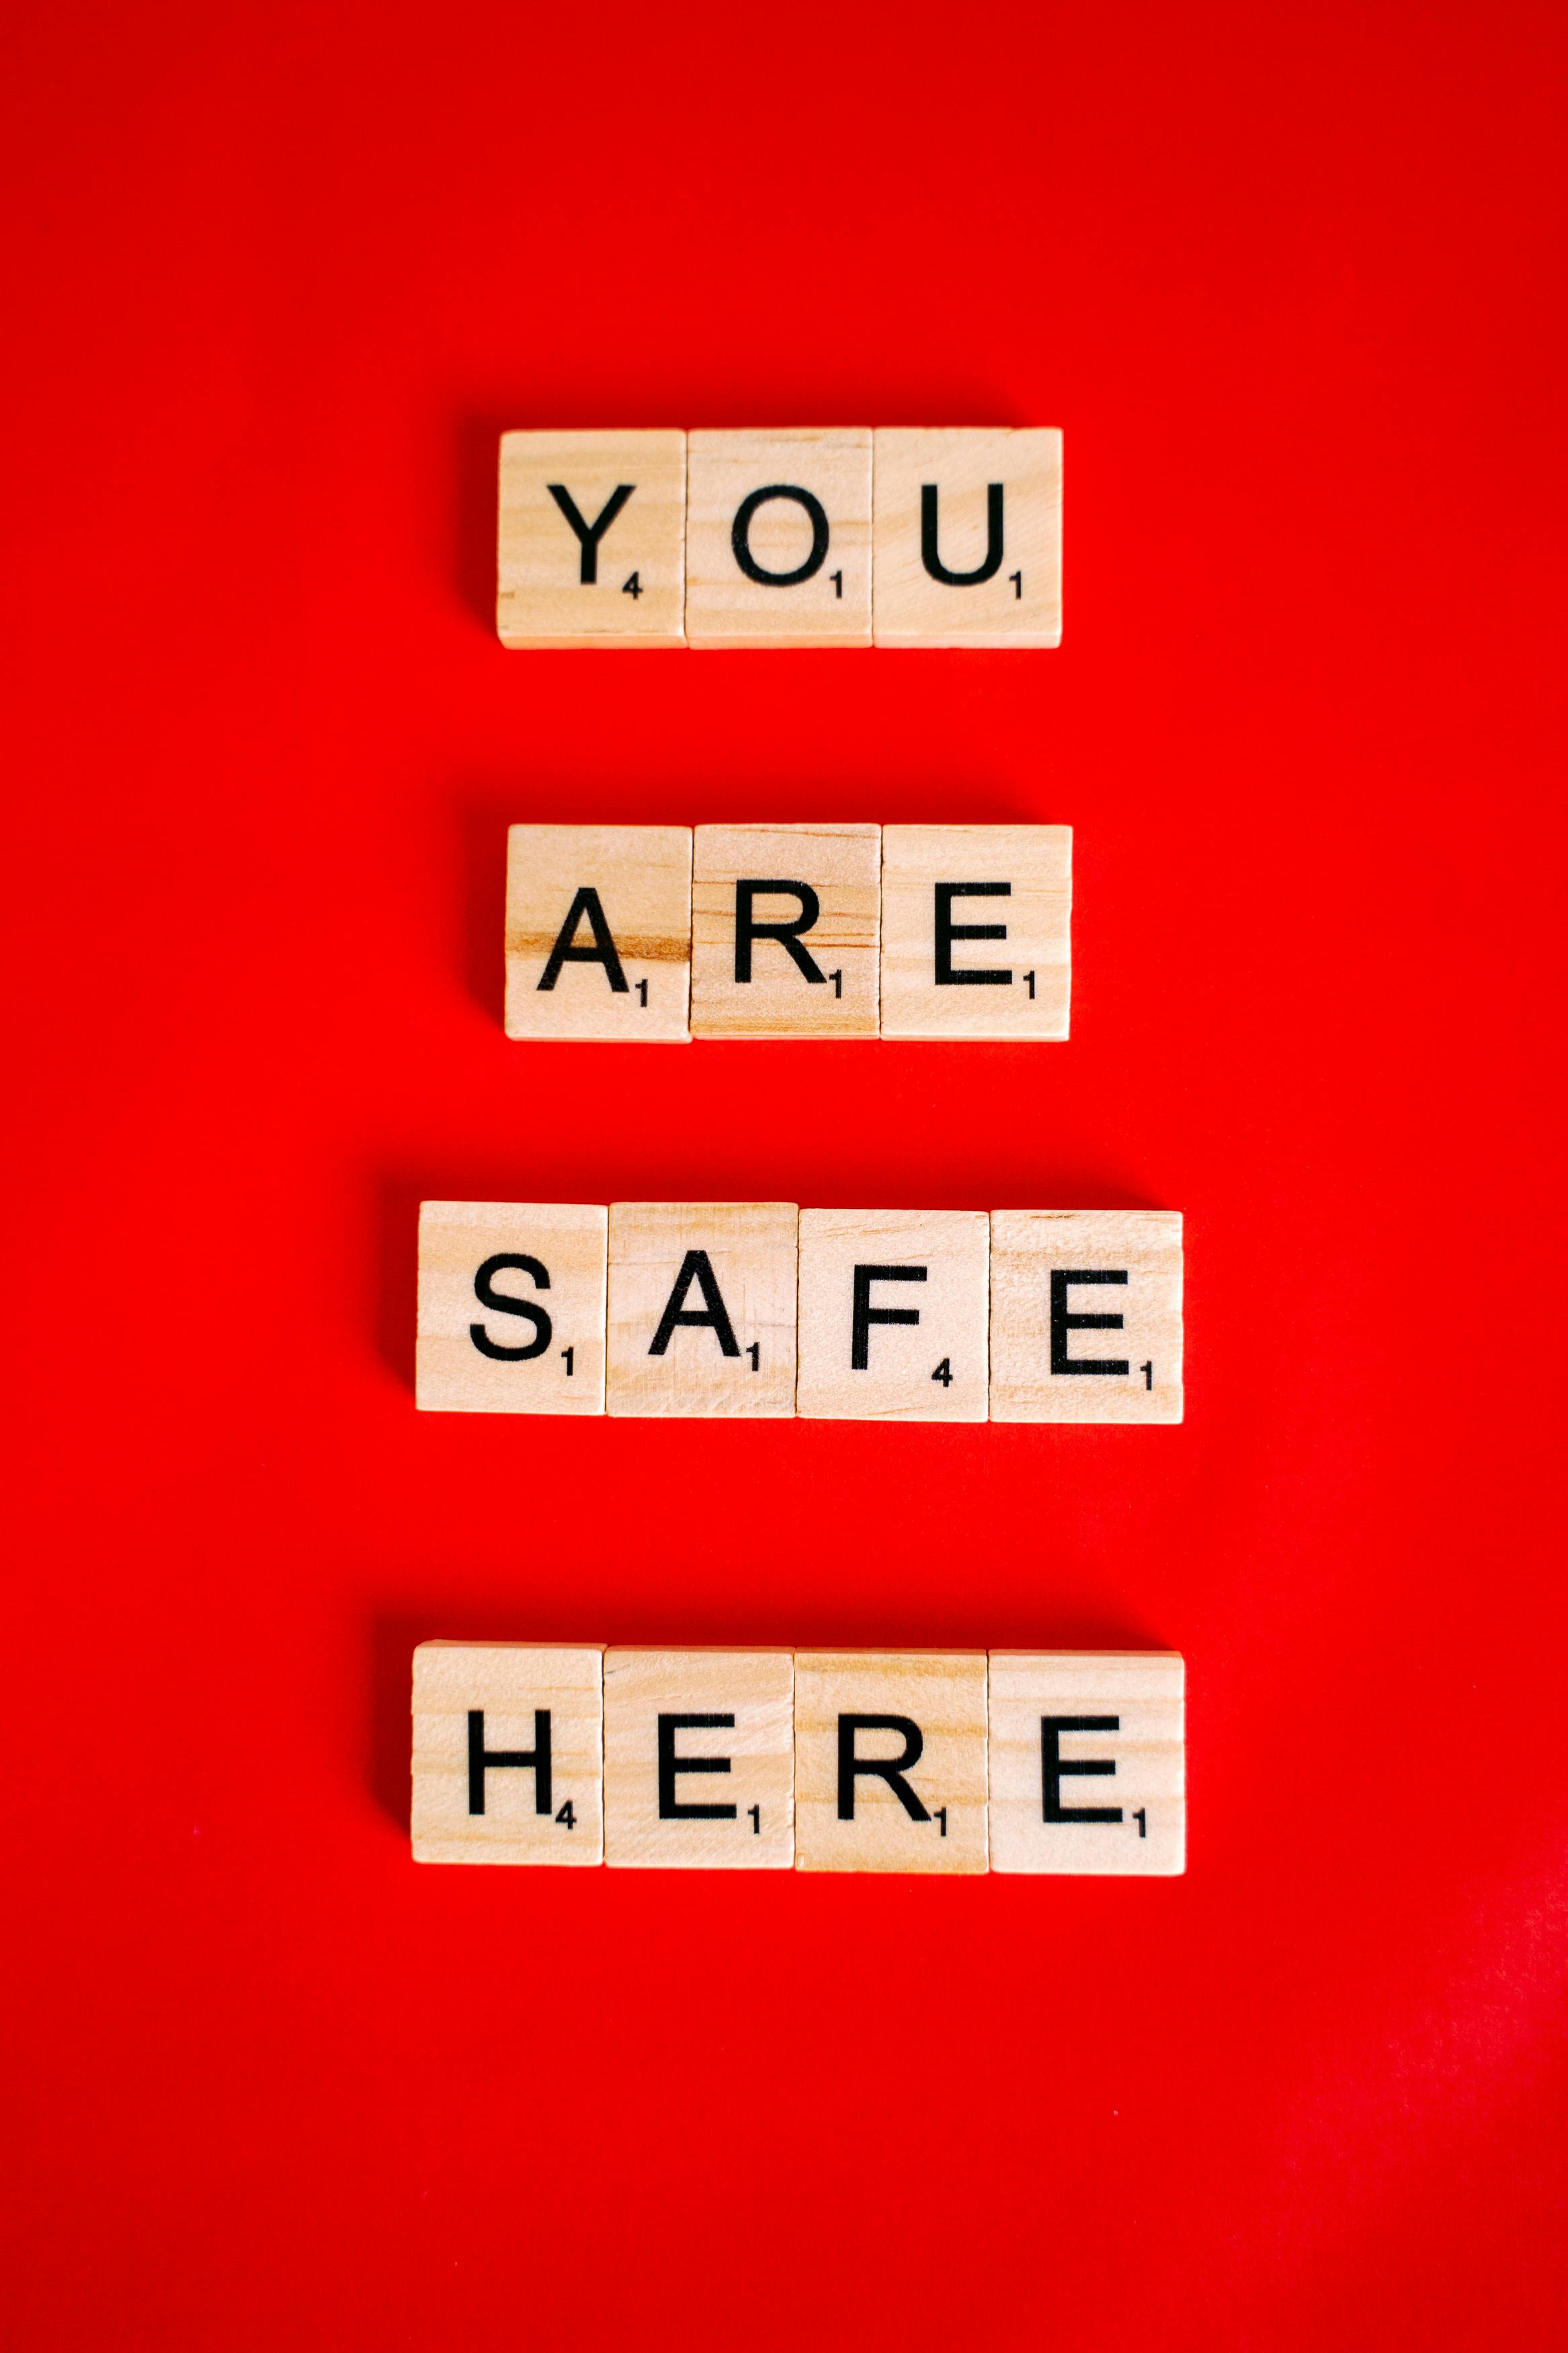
(798, 536)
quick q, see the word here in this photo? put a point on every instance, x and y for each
(798, 536)
(660, 934)
(760, 1310)
(954, 1761)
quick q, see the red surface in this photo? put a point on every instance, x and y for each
(1292, 284)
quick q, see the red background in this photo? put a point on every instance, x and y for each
(1291, 283)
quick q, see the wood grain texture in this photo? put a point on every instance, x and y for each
(897, 1381)
(755, 1687)
(542, 598)
(1144, 1691)
(1026, 871)
(641, 879)
(724, 608)
(510, 1683)
(456, 1240)
(841, 864)
(940, 1693)
(911, 606)
(746, 1251)
(1027, 1247)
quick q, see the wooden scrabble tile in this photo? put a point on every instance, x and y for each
(512, 1307)
(976, 932)
(703, 1307)
(1088, 1762)
(1086, 1315)
(967, 537)
(591, 548)
(699, 1759)
(890, 1760)
(778, 537)
(598, 932)
(784, 931)
(892, 1314)
(507, 1753)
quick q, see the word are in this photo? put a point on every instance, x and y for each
(955, 1761)
(803, 536)
(759, 1309)
(660, 934)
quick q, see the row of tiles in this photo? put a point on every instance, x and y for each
(659, 933)
(799, 536)
(954, 1761)
(763, 1310)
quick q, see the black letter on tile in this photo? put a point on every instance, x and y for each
(483, 1760)
(947, 931)
(591, 533)
(499, 1303)
(740, 536)
(1055, 1767)
(891, 1769)
(787, 935)
(1062, 1322)
(932, 561)
(865, 1314)
(670, 1808)
(696, 1268)
(585, 908)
